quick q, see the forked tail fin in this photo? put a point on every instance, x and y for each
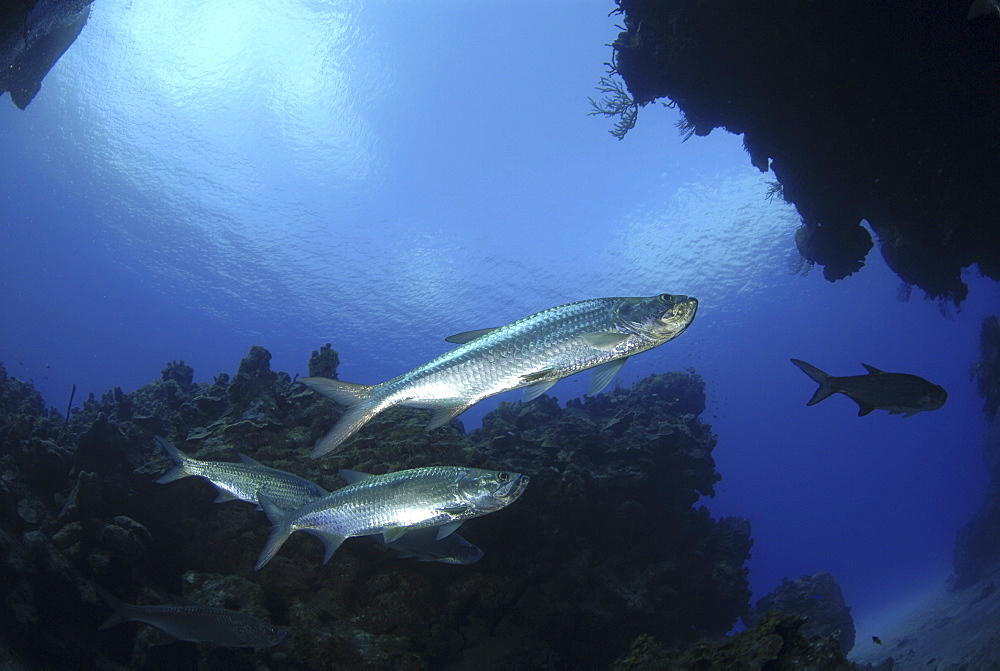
(117, 605)
(282, 529)
(825, 387)
(359, 411)
(180, 459)
(346, 426)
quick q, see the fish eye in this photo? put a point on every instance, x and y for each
(504, 477)
(667, 298)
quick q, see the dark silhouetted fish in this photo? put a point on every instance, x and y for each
(534, 352)
(394, 503)
(200, 624)
(899, 393)
(424, 545)
(243, 480)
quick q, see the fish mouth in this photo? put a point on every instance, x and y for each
(675, 320)
(513, 488)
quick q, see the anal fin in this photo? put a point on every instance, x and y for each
(536, 390)
(444, 414)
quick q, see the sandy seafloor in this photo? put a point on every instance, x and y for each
(937, 631)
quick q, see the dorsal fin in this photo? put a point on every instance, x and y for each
(350, 476)
(872, 369)
(468, 336)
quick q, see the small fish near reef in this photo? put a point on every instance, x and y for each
(899, 393)
(392, 504)
(199, 624)
(243, 480)
(533, 353)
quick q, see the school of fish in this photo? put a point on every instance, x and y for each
(416, 511)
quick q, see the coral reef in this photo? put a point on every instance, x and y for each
(977, 544)
(33, 35)
(986, 371)
(883, 112)
(818, 599)
(606, 544)
(777, 641)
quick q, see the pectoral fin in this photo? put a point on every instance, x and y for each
(538, 377)
(604, 341)
(604, 374)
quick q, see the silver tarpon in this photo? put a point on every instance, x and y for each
(534, 352)
(424, 545)
(200, 624)
(899, 393)
(392, 504)
(243, 480)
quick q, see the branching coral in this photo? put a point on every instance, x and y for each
(616, 102)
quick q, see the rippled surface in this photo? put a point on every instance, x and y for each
(295, 165)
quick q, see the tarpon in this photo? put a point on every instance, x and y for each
(534, 352)
(424, 545)
(243, 480)
(393, 503)
(200, 624)
(899, 393)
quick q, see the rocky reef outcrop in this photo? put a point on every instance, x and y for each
(977, 544)
(33, 35)
(606, 544)
(777, 641)
(884, 112)
(817, 598)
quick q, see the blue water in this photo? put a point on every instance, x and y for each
(198, 177)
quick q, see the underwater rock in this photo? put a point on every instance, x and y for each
(34, 34)
(777, 641)
(570, 574)
(986, 371)
(178, 371)
(323, 363)
(818, 599)
(253, 377)
(977, 543)
(901, 133)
